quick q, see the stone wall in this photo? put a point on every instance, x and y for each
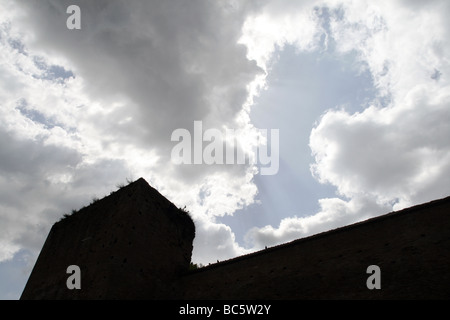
(132, 244)
(135, 244)
(411, 247)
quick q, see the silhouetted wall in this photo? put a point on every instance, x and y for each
(411, 247)
(135, 244)
(129, 245)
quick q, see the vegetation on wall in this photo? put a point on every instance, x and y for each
(95, 199)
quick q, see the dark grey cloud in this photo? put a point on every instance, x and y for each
(173, 62)
(24, 157)
(33, 196)
(84, 109)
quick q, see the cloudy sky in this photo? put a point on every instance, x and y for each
(359, 91)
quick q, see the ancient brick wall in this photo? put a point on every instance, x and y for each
(411, 247)
(135, 244)
(129, 245)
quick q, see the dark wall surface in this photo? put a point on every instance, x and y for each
(135, 244)
(129, 245)
(411, 247)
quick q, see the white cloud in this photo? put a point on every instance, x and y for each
(401, 43)
(333, 213)
(216, 242)
(278, 23)
(400, 151)
(396, 152)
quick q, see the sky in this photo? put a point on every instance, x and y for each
(358, 92)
